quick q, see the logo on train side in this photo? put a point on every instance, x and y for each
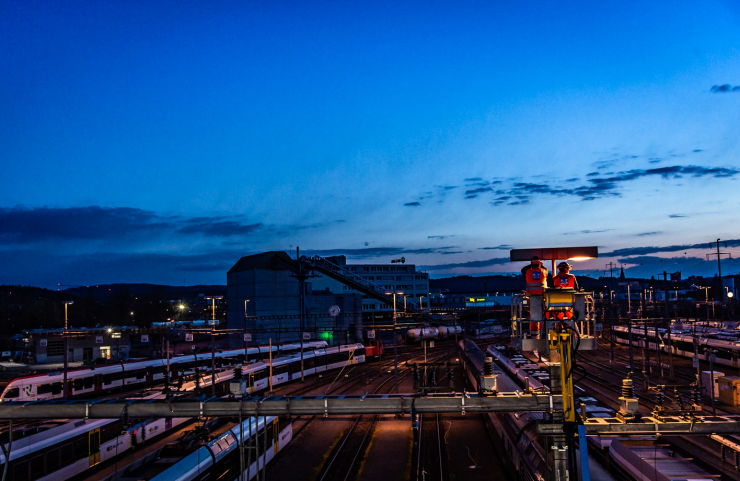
(27, 390)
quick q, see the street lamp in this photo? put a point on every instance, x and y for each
(182, 309)
(66, 303)
(66, 349)
(395, 349)
(213, 305)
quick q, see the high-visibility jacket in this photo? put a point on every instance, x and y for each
(564, 281)
(536, 276)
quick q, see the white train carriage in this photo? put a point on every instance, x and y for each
(37, 457)
(682, 343)
(288, 368)
(127, 374)
(220, 457)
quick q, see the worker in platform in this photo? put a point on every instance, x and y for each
(536, 276)
(564, 279)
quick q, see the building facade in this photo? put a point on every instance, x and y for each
(401, 279)
(263, 296)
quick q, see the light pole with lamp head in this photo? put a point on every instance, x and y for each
(395, 348)
(213, 343)
(66, 348)
(246, 343)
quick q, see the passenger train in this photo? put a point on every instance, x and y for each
(221, 456)
(682, 342)
(71, 448)
(127, 374)
(513, 434)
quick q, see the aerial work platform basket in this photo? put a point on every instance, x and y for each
(533, 316)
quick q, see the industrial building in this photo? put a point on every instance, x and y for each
(263, 296)
(83, 344)
(399, 278)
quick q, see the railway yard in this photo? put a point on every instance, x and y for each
(406, 445)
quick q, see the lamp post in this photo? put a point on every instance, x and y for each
(213, 344)
(395, 348)
(246, 344)
(66, 349)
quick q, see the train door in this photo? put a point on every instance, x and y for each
(94, 443)
(98, 382)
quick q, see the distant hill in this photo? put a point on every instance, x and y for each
(101, 293)
(499, 283)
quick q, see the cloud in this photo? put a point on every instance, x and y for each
(378, 251)
(412, 204)
(479, 190)
(471, 264)
(31, 267)
(646, 266)
(209, 227)
(473, 179)
(725, 88)
(499, 247)
(588, 232)
(645, 234)
(21, 225)
(638, 251)
(677, 216)
(439, 236)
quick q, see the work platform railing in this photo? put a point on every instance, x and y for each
(534, 315)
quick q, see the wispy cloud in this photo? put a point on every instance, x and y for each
(645, 234)
(588, 232)
(471, 264)
(440, 237)
(724, 88)
(639, 251)
(412, 204)
(498, 247)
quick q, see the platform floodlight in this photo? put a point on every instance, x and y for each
(555, 253)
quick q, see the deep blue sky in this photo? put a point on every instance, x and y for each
(161, 141)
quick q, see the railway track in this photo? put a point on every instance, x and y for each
(345, 459)
(430, 457)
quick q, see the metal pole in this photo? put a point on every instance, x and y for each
(711, 378)
(66, 362)
(264, 454)
(249, 449)
(719, 272)
(241, 447)
(270, 366)
(629, 335)
(301, 305)
(246, 343)
(213, 359)
(696, 357)
(168, 359)
(10, 446)
(395, 351)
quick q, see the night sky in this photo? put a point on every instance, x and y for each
(161, 141)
